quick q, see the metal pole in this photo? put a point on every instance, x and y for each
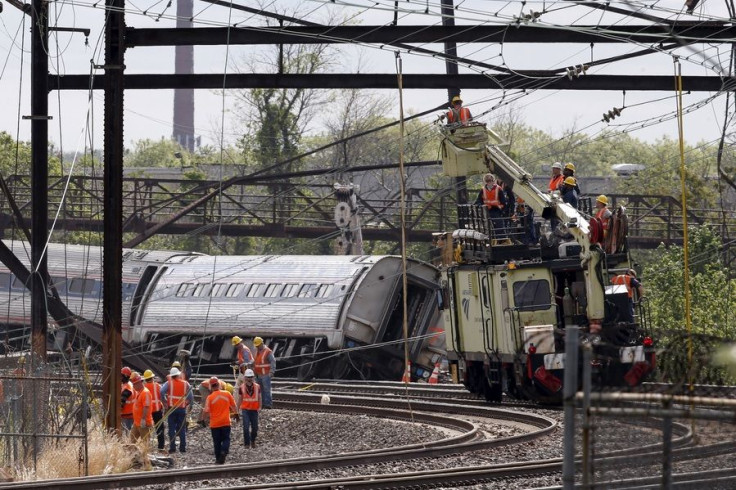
(666, 449)
(85, 412)
(113, 226)
(448, 19)
(587, 386)
(568, 393)
(39, 175)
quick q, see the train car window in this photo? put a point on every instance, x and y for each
(307, 290)
(201, 290)
(532, 295)
(5, 280)
(272, 290)
(255, 290)
(324, 290)
(59, 283)
(81, 286)
(186, 289)
(17, 284)
(289, 290)
(234, 290)
(218, 289)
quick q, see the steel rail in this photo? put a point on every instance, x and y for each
(428, 450)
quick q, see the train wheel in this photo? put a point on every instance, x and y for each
(341, 368)
(307, 363)
(493, 392)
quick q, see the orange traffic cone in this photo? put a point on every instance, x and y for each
(435, 378)
(406, 378)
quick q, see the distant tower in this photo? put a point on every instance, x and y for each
(184, 97)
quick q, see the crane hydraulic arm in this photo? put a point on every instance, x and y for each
(474, 149)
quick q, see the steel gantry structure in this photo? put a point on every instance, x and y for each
(119, 38)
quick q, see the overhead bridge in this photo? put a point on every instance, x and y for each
(175, 206)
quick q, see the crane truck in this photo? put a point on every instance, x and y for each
(507, 298)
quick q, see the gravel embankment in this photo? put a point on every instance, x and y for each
(287, 434)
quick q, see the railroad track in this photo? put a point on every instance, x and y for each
(469, 439)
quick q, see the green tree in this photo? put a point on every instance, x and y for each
(713, 300)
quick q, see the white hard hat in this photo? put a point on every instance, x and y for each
(249, 373)
(174, 372)
(557, 165)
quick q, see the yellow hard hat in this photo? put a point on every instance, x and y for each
(457, 99)
(602, 199)
(176, 364)
(570, 181)
(569, 166)
(148, 374)
(257, 341)
(22, 360)
(236, 340)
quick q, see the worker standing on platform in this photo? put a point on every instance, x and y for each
(220, 405)
(555, 182)
(178, 397)
(568, 192)
(142, 414)
(603, 214)
(127, 399)
(265, 366)
(157, 407)
(632, 284)
(569, 171)
(245, 356)
(249, 401)
(493, 198)
(457, 113)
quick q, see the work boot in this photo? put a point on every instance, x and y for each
(253, 444)
(172, 450)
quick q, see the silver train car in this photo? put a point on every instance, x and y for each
(324, 316)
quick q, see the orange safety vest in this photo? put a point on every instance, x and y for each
(464, 116)
(177, 395)
(142, 400)
(601, 215)
(219, 404)
(155, 389)
(250, 402)
(262, 366)
(490, 197)
(127, 411)
(241, 354)
(624, 279)
(556, 182)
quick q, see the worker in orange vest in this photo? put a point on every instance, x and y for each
(177, 396)
(245, 356)
(249, 400)
(457, 113)
(632, 284)
(603, 213)
(493, 198)
(127, 398)
(142, 411)
(204, 391)
(265, 366)
(555, 182)
(220, 405)
(157, 407)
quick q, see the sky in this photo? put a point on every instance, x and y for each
(148, 113)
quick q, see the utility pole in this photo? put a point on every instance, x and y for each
(448, 19)
(39, 175)
(112, 260)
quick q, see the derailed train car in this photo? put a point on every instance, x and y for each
(324, 316)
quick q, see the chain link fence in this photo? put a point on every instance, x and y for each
(677, 429)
